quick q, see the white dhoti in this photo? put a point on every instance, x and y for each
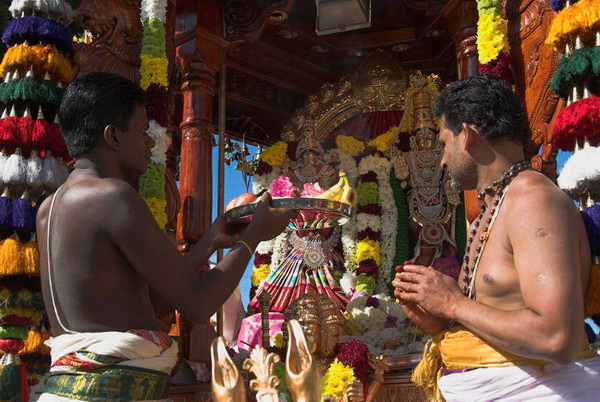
(578, 381)
(90, 366)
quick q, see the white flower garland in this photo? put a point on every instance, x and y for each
(279, 249)
(366, 221)
(265, 247)
(263, 181)
(154, 9)
(159, 135)
(389, 226)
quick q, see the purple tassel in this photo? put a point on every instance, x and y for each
(23, 215)
(591, 218)
(6, 207)
(34, 30)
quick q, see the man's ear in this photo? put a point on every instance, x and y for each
(111, 138)
(471, 135)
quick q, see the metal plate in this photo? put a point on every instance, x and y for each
(315, 213)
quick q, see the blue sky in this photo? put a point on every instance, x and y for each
(234, 186)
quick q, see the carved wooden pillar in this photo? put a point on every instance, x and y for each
(199, 50)
(462, 26)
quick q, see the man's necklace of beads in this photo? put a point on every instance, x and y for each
(497, 191)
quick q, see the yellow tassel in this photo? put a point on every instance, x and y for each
(24, 312)
(31, 257)
(592, 298)
(43, 58)
(581, 19)
(430, 369)
(35, 343)
(17, 258)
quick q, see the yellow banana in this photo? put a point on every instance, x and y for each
(335, 192)
(349, 195)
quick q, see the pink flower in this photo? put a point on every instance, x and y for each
(311, 190)
(283, 187)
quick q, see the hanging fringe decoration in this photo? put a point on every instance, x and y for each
(580, 119)
(156, 104)
(591, 218)
(581, 172)
(27, 313)
(28, 89)
(10, 377)
(59, 8)
(35, 343)
(582, 65)
(52, 174)
(32, 133)
(35, 30)
(14, 170)
(558, 5)
(18, 259)
(22, 298)
(43, 58)
(34, 177)
(581, 19)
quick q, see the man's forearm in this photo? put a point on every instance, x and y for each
(522, 332)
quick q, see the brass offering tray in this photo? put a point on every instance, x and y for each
(314, 213)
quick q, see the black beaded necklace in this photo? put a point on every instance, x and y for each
(496, 190)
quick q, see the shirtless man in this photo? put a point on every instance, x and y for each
(101, 251)
(532, 261)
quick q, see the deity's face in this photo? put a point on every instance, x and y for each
(308, 131)
(425, 139)
(330, 338)
(462, 169)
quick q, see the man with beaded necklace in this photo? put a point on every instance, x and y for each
(512, 328)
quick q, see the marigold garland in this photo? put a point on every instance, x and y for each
(492, 37)
(157, 208)
(581, 19)
(259, 274)
(349, 144)
(153, 70)
(275, 154)
(337, 378)
(43, 58)
(382, 142)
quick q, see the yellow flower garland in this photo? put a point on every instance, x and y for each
(368, 249)
(153, 71)
(337, 378)
(349, 144)
(382, 142)
(492, 37)
(275, 154)
(259, 274)
(158, 207)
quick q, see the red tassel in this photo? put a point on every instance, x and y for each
(24, 384)
(28, 132)
(580, 119)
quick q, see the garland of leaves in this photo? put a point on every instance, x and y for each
(403, 233)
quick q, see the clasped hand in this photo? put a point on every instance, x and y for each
(434, 292)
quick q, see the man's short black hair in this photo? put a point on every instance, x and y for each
(488, 103)
(92, 102)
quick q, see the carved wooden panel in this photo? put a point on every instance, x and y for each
(117, 31)
(534, 63)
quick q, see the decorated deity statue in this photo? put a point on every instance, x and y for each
(312, 261)
(310, 166)
(431, 200)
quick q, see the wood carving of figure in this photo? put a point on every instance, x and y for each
(117, 31)
(431, 200)
(313, 260)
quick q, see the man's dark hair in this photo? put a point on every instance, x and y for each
(488, 103)
(92, 102)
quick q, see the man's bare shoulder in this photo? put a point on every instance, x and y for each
(534, 191)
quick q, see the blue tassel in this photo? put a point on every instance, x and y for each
(6, 207)
(23, 215)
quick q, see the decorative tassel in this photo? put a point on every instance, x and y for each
(46, 8)
(583, 64)
(28, 89)
(592, 298)
(581, 19)
(32, 133)
(38, 30)
(23, 214)
(10, 377)
(6, 206)
(18, 259)
(51, 174)
(580, 119)
(581, 172)
(34, 170)
(14, 172)
(429, 370)
(42, 57)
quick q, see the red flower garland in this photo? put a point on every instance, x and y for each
(354, 353)
(156, 104)
(580, 119)
(500, 67)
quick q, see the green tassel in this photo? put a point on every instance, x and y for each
(30, 90)
(582, 64)
(10, 378)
